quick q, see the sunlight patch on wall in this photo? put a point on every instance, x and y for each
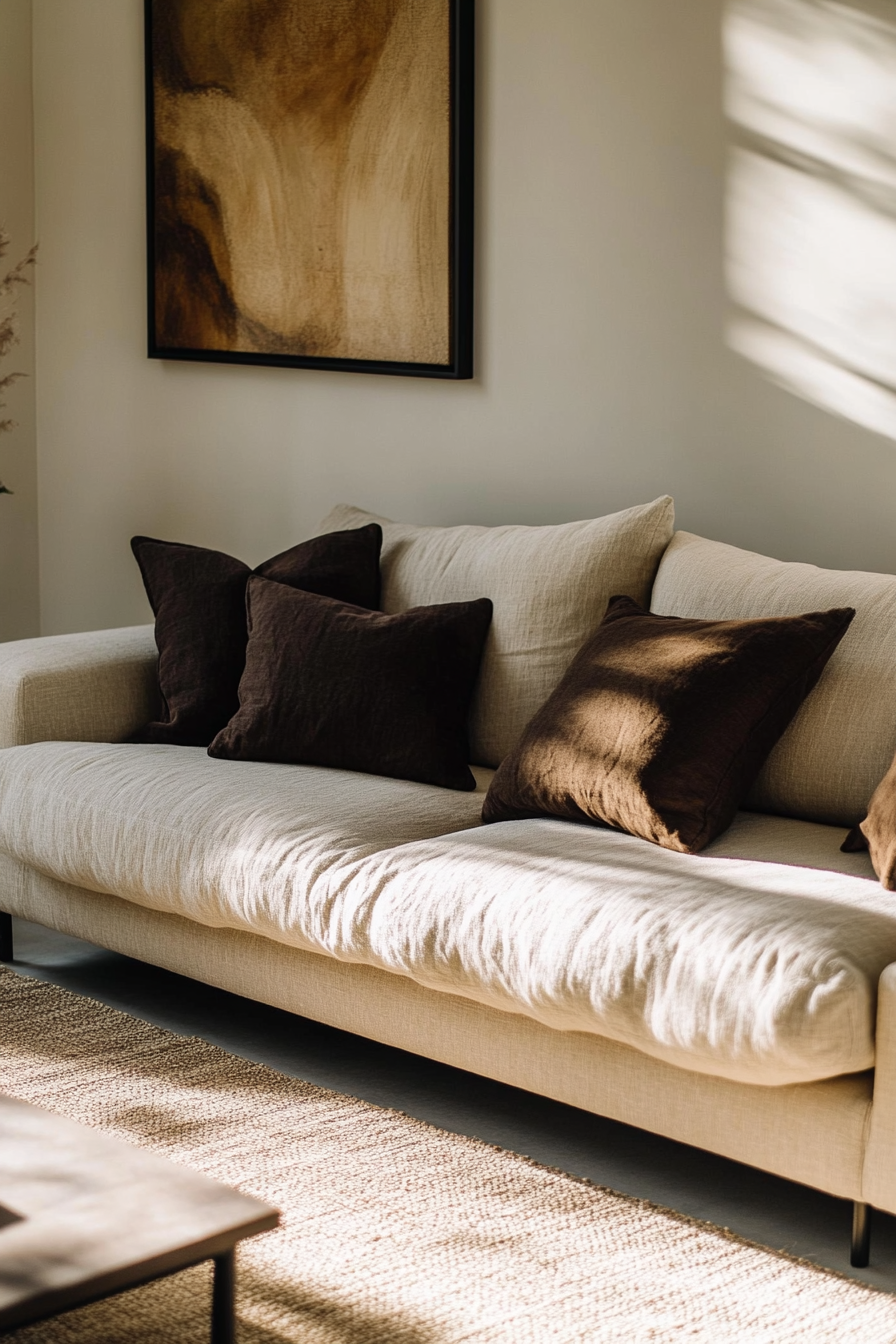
(811, 231)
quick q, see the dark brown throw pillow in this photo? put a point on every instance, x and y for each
(877, 832)
(661, 723)
(198, 598)
(327, 683)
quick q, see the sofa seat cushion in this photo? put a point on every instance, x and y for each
(234, 844)
(724, 962)
(751, 961)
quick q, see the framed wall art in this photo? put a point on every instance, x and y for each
(310, 183)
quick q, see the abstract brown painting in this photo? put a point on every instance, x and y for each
(309, 182)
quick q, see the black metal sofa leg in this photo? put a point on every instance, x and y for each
(861, 1235)
(5, 936)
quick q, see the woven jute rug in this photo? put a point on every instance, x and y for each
(394, 1232)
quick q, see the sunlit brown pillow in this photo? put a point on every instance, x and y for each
(198, 598)
(877, 833)
(661, 723)
(327, 683)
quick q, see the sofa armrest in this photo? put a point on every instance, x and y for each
(879, 1176)
(95, 687)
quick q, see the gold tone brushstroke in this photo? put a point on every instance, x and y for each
(302, 177)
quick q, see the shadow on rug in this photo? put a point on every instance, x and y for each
(394, 1232)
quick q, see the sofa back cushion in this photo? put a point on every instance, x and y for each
(549, 587)
(841, 742)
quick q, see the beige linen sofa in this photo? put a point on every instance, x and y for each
(742, 1000)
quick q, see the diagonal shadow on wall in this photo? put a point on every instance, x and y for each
(811, 210)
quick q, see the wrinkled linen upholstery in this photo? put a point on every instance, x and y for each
(234, 844)
(755, 971)
(841, 742)
(549, 587)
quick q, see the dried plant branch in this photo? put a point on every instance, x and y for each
(7, 333)
(17, 275)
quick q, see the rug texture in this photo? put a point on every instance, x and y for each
(394, 1232)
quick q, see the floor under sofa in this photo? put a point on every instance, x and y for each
(756, 1205)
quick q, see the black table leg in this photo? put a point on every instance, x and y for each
(223, 1299)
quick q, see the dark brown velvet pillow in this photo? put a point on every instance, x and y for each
(877, 832)
(198, 598)
(661, 723)
(331, 684)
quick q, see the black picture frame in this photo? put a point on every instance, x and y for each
(461, 221)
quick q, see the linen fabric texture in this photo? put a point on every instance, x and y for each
(94, 686)
(327, 683)
(726, 963)
(550, 587)
(198, 597)
(842, 740)
(661, 723)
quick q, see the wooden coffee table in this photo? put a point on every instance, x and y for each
(83, 1216)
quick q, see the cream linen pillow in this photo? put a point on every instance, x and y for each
(549, 585)
(841, 742)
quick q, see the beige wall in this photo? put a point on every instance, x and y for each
(603, 374)
(19, 611)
